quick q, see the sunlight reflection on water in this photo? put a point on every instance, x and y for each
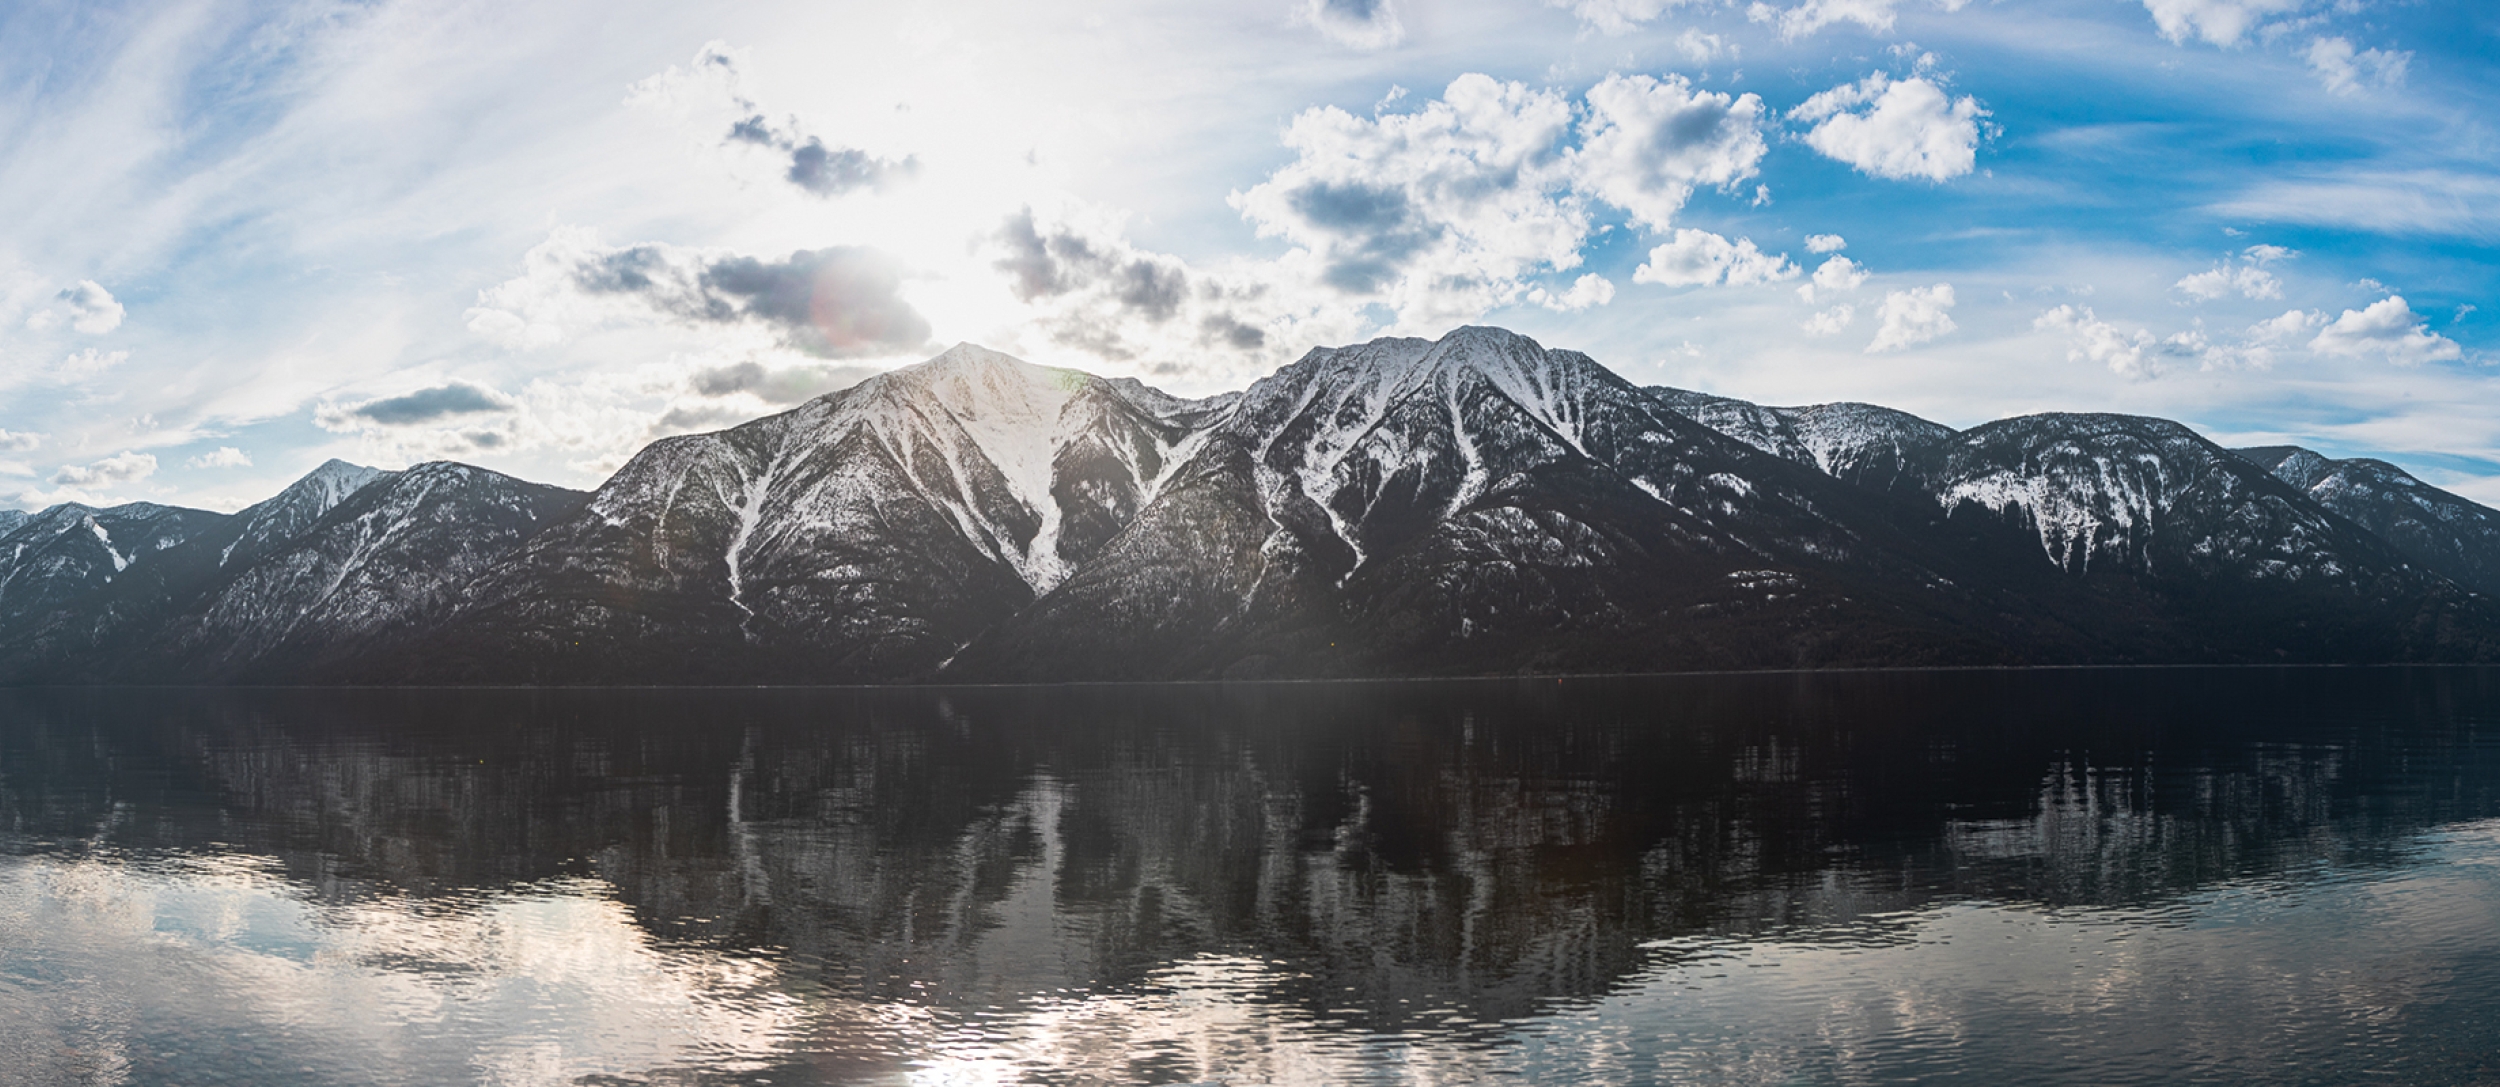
(1116, 905)
(174, 961)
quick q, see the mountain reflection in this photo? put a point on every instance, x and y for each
(1389, 857)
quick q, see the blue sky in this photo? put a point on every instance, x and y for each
(248, 237)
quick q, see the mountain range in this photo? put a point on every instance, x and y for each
(1477, 504)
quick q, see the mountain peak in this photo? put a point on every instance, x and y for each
(969, 356)
(279, 517)
(1494, 336)
(336, 467)
(314, 493)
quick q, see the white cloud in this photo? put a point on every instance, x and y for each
(1912, 130)
(18, 441)
(2221, 22)
(2388, 329)
(505, 328)
(85, 305)
(87, 364)
(112, 471)
(1913, 316)
(2136, 356)
(1831, 321)
(2256, 346)
(1589, 290)
(2347, 72)
(1837, 274)
(1813, 15)
(1647, 143)
(2248, 279)
(2259, 342)
(718, 71)
(1359, 24)
(1440, 213)
(1699, 258)
(1701, 48)
(224, 456)
(2292, 323)
(2262, 255)
(717, 78)
(1617, 16)
(1825, 243)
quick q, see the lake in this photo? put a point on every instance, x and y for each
(2087, 876)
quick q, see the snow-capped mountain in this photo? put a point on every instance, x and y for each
(865, 535)
(1474, 504)
(1480, 503)
(2448, 533)
(2141, 495)
(2139, 515)
(387, 560)
(57, 573)
(135, 602)
(2156, 520)
(1857, 443)
(259, 529)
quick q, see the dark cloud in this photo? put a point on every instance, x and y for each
(684, 418)
(1351, 208)
(426, 405)
(840, 301)
(1027, 257)
(1153, 289)
(1702, 124)
(724, 380)
(825, 171)
(1363, 24)
(787, 385)
(658, 275)
(1381, 228)
(1224, 328)
(1063, 261)
(828, 173)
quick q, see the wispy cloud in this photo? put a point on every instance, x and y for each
(2403, 202)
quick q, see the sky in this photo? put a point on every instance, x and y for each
(244, 238)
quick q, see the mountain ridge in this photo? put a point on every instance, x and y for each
(1475, 504)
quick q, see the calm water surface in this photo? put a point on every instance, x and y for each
(2063, 877)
